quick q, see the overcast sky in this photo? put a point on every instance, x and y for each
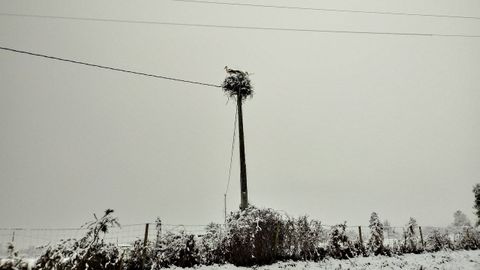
(340, 124)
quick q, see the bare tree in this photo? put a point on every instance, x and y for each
(460, 219)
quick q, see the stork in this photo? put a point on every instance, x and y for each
(232, 71)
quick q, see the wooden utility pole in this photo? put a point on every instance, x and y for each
(145, 242)
(238, 84)
(243, 165)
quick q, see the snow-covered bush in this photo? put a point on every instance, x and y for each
(174, 249)
(339, 245)
(290, 240)
(12, 264)
(375, 243)
(139, 257)
(13, 261)
(411, 243)
(468, 239)
(89, 252)
(302, 239)
(308, 235)
(177, 249)
(396, 248)
(254, 236)
(211, 246)
(438, 240)
(262, 236)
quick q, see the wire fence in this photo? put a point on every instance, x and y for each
(32, 242)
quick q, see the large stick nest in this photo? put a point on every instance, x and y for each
(237, 82)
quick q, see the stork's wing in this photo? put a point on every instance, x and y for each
(234, 71)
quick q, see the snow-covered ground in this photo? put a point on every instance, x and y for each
(456, 260)
(441, 260)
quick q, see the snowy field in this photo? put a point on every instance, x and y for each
(441, 260)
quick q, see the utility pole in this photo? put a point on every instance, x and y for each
(243, 165)
(237, 84)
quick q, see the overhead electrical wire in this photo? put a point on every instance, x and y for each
(305, 30)
(107, 67)
(231, 162)
(231, 151)
(330, 9)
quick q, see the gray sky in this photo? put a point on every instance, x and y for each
(340, 125)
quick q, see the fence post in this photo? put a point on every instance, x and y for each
(145, 240)
(421, 235)
(158, 226)
(360, 234)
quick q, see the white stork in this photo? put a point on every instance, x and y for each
(232, 71)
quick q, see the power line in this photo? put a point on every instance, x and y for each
(305, 30)
(231, 151)
(331, 9)
(107, 67)
(230, 166)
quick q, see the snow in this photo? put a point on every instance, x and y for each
(443, 260)
(456, 260)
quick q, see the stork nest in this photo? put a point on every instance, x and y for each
(238, 83)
